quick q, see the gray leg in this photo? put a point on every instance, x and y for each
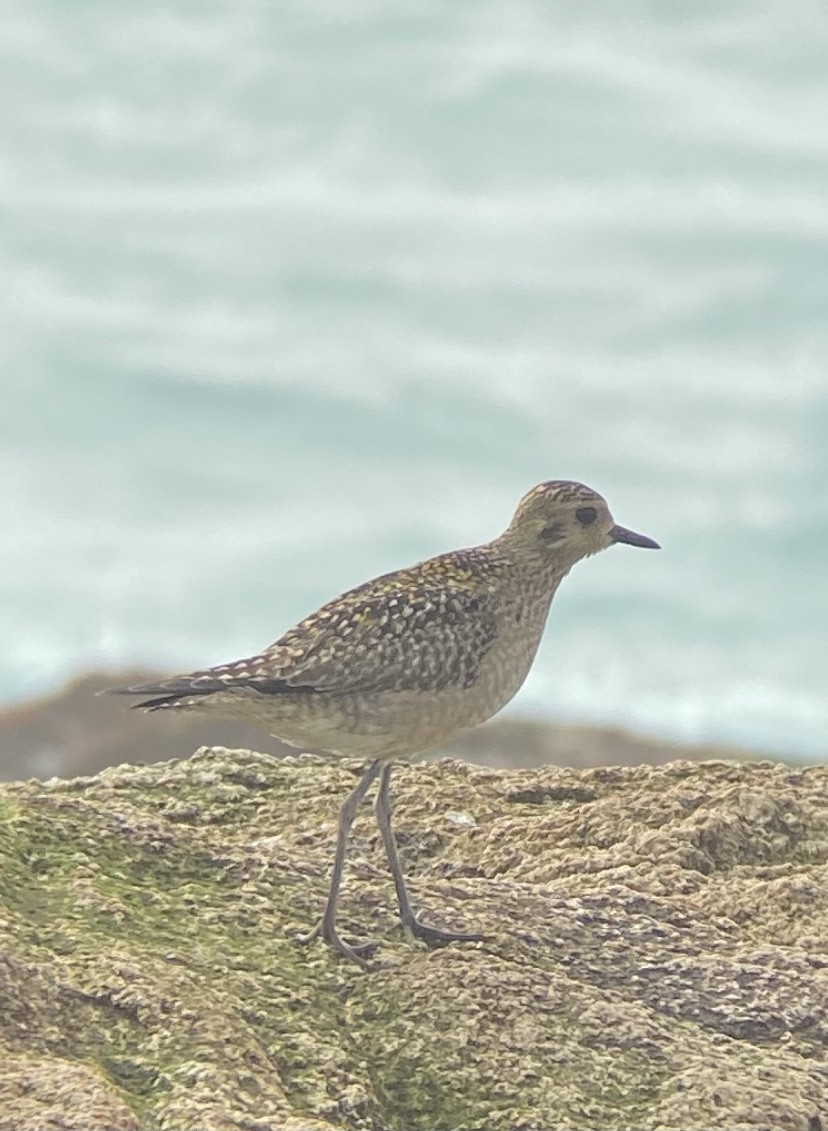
(326, 927)
(412, 926)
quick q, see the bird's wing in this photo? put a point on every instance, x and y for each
(414, 630)
(414, 637)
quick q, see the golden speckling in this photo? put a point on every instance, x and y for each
(466, 623)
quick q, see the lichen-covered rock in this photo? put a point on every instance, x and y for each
(655, 954)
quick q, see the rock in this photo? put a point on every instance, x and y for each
(655, 951)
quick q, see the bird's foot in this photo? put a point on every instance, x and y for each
(353, 952)
(415, 928)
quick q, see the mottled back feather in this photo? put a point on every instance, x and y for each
(412, 630)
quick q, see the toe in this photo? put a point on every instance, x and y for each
(434, 936)
(358, 952)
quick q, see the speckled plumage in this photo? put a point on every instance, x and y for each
(354, 676)
(402, 631)
(402, 663)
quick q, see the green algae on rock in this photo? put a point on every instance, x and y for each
(654, 951)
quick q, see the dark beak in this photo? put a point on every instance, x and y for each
(621, 534)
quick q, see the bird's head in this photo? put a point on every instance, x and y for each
(562, 522)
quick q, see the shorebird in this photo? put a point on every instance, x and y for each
(403, 663)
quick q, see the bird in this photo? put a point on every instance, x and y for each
(401, 664)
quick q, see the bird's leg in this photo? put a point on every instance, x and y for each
(412, 925)
(326, 927)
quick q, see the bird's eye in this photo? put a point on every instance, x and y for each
(586, 515)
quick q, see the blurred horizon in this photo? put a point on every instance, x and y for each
(295, 297)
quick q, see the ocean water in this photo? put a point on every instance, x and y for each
(294, 294)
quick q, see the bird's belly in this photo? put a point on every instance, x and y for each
(395, 724)
(388, 724)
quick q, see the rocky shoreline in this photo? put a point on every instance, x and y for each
(654, 951)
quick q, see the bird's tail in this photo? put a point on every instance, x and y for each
(171, 694)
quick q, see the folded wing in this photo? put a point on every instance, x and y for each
(402, 632)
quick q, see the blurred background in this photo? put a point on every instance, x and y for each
(294, 294)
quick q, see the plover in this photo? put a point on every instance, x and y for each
(403, 663)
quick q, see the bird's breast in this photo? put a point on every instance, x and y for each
(507, 664)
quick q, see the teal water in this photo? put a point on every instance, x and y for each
(295, 294)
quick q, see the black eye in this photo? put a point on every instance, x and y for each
(586, 515)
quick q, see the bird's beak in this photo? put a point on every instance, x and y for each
(621, 534)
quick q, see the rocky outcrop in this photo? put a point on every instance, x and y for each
(655, 951)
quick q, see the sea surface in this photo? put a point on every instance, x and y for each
(297, 293)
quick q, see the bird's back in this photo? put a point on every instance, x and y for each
(395, 665)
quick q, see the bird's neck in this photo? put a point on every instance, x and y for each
(538, 577)
(544, 582)
(535, 564)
